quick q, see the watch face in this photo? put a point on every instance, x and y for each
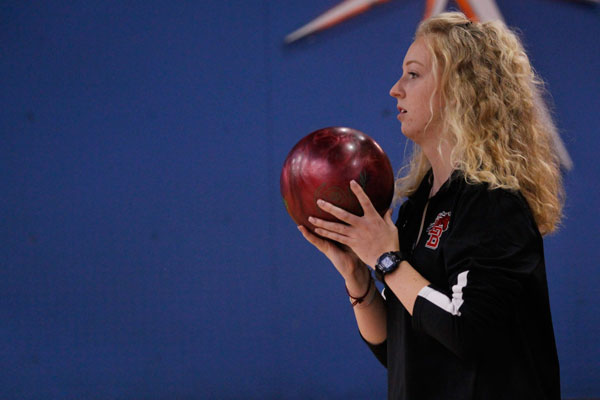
(388, 262)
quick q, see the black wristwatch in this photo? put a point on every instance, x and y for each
(387, 263)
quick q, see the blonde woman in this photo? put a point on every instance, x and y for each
(465, 311)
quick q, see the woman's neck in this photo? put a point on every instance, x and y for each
(439, 158)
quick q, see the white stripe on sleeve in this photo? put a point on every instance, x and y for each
(444, 302)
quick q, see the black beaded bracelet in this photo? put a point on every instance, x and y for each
(358, 300)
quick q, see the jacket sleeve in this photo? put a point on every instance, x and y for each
(379, 350)
(489, 254)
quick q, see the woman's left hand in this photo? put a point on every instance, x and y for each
(368, 236)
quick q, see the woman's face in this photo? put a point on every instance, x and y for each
(413, 92)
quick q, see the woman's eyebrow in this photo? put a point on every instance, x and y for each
(413, 61)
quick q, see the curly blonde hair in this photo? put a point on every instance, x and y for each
(492, 115)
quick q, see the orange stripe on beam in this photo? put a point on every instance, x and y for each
(466, 8)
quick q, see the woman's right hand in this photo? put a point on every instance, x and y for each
(346, 262)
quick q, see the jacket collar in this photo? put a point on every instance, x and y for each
(422, 193)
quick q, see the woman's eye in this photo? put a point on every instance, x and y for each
(412, 75)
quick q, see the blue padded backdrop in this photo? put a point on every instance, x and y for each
(144, 248)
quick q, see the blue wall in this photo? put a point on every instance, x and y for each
(145, 251)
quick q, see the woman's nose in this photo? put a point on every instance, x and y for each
(396, 90)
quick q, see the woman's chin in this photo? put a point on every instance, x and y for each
(408, 133)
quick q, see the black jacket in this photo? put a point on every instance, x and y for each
(482, 329)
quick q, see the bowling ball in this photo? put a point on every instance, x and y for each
(321, 166)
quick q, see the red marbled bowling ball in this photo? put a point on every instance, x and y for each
(321, 166)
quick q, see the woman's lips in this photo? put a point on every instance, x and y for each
(401, 112)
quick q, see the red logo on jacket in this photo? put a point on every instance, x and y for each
(436, 229)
